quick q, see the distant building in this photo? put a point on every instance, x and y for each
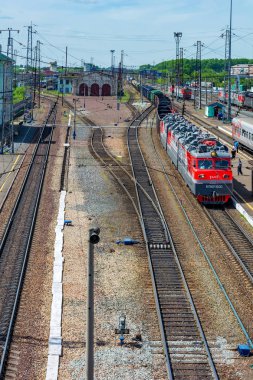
(65, 84)
(92, 83)
(53, 66)
(87, 66)
(50, 78)
(95, 83)
(243, 70)
(6, 99)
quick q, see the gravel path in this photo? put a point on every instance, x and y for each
(122, 281)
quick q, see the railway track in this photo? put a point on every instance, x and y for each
(14, 247)
(237, 258)
(120, 173)
(237, 240)
(185, 347)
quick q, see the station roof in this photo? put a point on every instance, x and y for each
(4, 58)
(216, 104)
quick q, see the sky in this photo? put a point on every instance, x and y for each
(144, 29)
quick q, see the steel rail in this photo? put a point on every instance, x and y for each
(235, 238)
(105, 156)
(244, 330)
(152, 247)
(151, 252)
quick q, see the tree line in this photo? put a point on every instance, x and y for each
(212, 70)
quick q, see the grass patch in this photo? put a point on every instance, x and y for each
(125, 98)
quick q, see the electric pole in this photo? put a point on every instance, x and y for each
(181, 66)
(39, 57)
(177, 36)
(229, 65)
(29, 66)
(112, 61)
(66, 60)
(10, 41)
(122, 70)
(75, 100)
(29, 49)
(34, 77)
(199, 69)
(9, 95)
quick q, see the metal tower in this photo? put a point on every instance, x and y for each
(120, 76)
(177, 36)
(198, 69)
(112, 60)
(181, 66)
(29, 49)
(229, 65)
(10, 41)
(7, 95)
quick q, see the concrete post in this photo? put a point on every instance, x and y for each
(93, 239)
(90, 315)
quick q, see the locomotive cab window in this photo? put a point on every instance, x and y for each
(205, 164)
(221, 164)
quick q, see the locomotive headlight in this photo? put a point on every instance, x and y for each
(201, 175)
(225, 176)
(214, 153)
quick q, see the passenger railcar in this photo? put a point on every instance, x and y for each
(242, 131)
(237, 98)
(201, 159)
(248, 101)
(241, 99)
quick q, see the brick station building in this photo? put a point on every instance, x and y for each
(94, 83)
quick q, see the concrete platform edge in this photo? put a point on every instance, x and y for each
(242, 211)
(55, 339)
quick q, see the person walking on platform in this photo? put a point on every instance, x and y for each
(233, 152)
(236, 145)
(239, 167)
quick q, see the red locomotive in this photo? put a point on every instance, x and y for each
(202, 160)
(182, 92)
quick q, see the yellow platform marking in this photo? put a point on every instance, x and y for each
(248, 205)
(1, 188)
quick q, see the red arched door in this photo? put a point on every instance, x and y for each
(83, 90)
(106, 90)
(94, 90)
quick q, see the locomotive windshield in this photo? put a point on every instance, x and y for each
(221, 164)
(205, 164)
(213, 164)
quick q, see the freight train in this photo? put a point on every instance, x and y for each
(242, 131)
(162, 102)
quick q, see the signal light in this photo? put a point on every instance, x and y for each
(94, 235)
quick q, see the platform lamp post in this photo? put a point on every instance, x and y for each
(74, 132)
(62, 85)
(93, 239)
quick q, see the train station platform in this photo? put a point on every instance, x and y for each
(11, 162)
